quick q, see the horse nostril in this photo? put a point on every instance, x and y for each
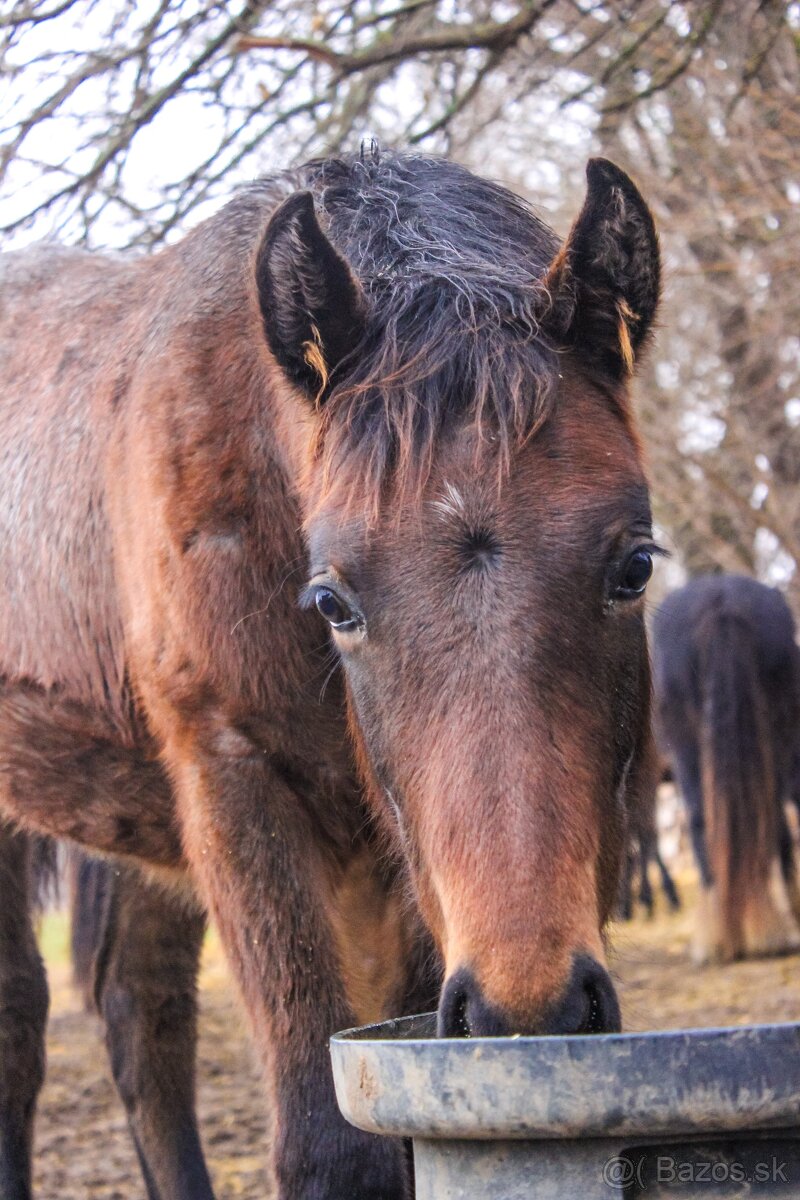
(594, 1011)
(464, 1012)
(589, 1004)
(454, 1017)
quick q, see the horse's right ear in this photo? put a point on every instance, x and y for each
(312, 306)
(603, 286)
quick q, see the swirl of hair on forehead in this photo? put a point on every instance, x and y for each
(452, 266)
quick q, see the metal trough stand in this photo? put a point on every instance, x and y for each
(696, 1113)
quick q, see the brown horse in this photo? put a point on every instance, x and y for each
(383, 379)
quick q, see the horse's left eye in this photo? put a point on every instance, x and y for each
(333, 609)
(636, 575)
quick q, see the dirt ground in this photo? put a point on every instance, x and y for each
(83, 1151)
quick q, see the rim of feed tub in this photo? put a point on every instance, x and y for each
(397, 1078)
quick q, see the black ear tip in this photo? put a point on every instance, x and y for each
(297, 207)
(602, 170)
(602, 173)
(301, 201)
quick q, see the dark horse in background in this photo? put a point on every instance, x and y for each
(383, 383)
(727, 691)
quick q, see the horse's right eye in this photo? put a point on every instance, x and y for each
(636, 575)
(333, 609)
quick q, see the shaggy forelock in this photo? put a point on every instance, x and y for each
(452, 266)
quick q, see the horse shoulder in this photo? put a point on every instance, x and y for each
(208, 551)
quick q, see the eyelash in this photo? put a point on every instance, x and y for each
(654, 549)
(307, 598)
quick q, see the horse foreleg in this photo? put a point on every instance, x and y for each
(145, 987)
(23, 1017)
(263, 868)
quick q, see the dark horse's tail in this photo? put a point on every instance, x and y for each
(89, 899)
(738, 767)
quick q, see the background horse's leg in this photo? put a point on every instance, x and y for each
(625, 899)
(148, 949)
(687, 775)
(23, 1015)
(258, 852)
(89, 883)
(646, 852)
(667, 882)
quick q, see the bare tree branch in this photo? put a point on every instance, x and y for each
(496, 36)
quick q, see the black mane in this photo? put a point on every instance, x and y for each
(452, 265)
(416, 220)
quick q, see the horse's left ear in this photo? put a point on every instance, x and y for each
(312, 305)
(604, 283)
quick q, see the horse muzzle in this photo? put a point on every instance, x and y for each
(587, 1005)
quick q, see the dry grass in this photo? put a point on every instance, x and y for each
(661, 989)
